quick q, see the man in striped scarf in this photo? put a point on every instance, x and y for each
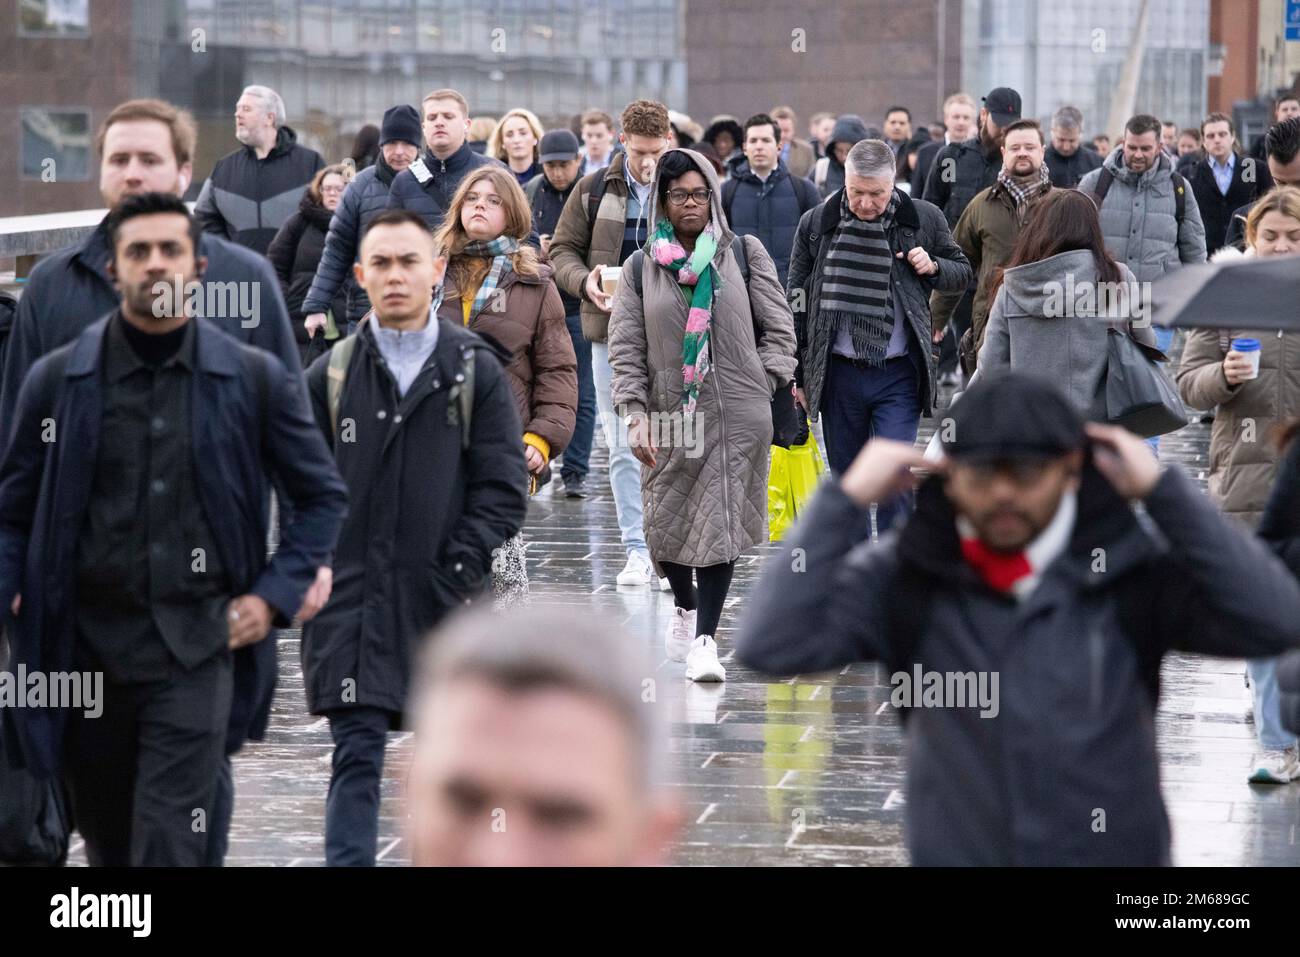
(863, 266)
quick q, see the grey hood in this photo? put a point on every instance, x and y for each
(1029, 287)
(1115, 163)
(705, 168)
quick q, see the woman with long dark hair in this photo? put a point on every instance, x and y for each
(1056, 297)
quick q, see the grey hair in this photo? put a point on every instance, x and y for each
(549, 648)
(271, 100)
(1067, 118)
(873, 159)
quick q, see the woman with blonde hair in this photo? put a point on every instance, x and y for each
(480, 128)
(296, 251)
(515, 141)
(499, 288)
(1218, 370)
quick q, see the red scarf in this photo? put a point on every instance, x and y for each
(999, 570)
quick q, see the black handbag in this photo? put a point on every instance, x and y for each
(34, 822)
(1140, 396)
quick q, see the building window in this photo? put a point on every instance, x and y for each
(56, 145)
(57, 18)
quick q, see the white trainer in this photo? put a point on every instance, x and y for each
(1274, 767)
(702, 661)
(637, 571)
(680, 634)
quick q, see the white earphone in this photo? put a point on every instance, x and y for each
(185, 182)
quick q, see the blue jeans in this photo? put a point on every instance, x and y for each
(860, 403)
(1268, 705)
(352, 808)
(577, 454)
(624, 469)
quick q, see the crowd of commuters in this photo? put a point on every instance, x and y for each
(391, 353)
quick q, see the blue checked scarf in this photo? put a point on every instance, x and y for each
(499, 250)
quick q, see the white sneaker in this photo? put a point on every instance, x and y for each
(680, 634)
(702, 661)
(637, 571)
(1273, 767)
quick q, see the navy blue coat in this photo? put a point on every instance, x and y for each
(70, 288)
(429, 194)
(364, 199)
(769, 210)
(250, 419)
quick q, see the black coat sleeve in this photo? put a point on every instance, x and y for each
(24, 347)
(284, 247)
(937, 186)
(20, 477)
(1225, 592)
(296, 452)
(1280, 524)
(496, 499)
(798, 287)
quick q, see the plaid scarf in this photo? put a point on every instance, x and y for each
(1026, 190)
(855, 281)
(499, 250)
(695, 275)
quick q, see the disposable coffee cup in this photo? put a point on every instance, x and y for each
(1249, 348)
(609, 276)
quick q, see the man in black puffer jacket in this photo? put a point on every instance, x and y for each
(253, 190)
(427, 186)
(364, 199)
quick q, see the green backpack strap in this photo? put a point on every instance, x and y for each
(335, 375)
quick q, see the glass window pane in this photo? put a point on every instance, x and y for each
(56, 144)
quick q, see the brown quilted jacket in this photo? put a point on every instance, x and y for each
(543, 370)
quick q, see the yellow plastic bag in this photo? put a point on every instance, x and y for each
(780, 505)
(792, 481)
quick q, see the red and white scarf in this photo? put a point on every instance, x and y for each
(1018, 573)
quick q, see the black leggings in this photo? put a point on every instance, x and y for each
(705, 597)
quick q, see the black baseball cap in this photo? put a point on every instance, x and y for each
(1003, 105)
(558, 146)
(1012, 415)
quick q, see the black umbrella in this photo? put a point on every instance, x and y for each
(1256, 293)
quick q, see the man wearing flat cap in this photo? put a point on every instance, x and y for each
(1023, 569)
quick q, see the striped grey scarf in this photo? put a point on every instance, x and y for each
(855, 282)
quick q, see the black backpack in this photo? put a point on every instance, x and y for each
(1106, 178)
(805, 194)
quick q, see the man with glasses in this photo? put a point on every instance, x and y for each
(1025, 573)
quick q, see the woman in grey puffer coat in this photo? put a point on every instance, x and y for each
(1056, 298)
(696, 358)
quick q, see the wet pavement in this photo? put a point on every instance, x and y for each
(798, 772)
